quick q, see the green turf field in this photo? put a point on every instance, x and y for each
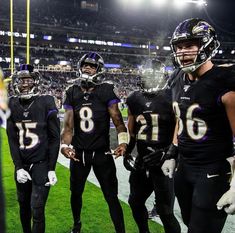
(95, 217)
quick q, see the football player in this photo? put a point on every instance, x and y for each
(33, 131)
(85, 137)
(151, 124)
(204, 104)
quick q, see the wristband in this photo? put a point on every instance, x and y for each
(122, 138)
(66, 146)
(172, 152)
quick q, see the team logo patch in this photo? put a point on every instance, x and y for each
(186, 87)
(148, 104)
(25, 114)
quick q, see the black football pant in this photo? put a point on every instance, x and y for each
(142, 184)
(198, 189)
(105, 171)
(32, 197)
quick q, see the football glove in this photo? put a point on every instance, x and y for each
(172, 152)
(154, 158)
(129, 162)
(227, 201)
(52, 179)
(22, 176)
(168, 167)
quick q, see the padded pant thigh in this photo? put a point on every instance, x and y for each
(141, 188)
(39, 173)
(106, 175)
(208, 191)
(24, 192)
(78, 176)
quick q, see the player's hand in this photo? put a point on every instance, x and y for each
(69, 153)
(52, 179)
(154, 158)
(168, 167)
(120, 150)
(227, 201)
(22, 176)
(129, 162)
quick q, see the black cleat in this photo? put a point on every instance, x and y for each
(153, 213)
(77, 228)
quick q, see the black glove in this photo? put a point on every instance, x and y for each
(154, 158)
(129, 162)
(172, 152)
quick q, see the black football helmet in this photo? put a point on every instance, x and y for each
(153, 76)
(26, 89)
(195, 29)
(94, 59)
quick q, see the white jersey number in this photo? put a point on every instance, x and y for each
(24, 132)
(86, 123)
(196, 127)
(141, 135)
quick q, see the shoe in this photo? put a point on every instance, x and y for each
(77, 228)
(153, 213)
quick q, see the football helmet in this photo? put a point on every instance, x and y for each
(95, 60)
(153, 76)
(26, 82)
(195, 29)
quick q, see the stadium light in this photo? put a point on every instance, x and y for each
(197, 2)
(158, 2)
(131, 4)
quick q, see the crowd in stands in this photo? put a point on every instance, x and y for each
(103, 24)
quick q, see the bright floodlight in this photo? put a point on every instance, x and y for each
(180, 3)
(133, 3)
(197, 2)
(158, 2)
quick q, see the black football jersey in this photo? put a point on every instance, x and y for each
(155, 120)
(204, 133)
(29, 123)
(91, 116)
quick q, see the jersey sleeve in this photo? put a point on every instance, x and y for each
(53, 131)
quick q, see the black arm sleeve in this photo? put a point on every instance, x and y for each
(53, 129)
(130, 145)
(14, 144)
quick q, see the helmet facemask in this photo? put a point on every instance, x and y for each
(90, 79)
(153, 76)
(26, 84)
(202, 34)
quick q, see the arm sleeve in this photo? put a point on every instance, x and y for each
(53, 129)
(14, 143)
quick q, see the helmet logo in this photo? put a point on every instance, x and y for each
(202, 26)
